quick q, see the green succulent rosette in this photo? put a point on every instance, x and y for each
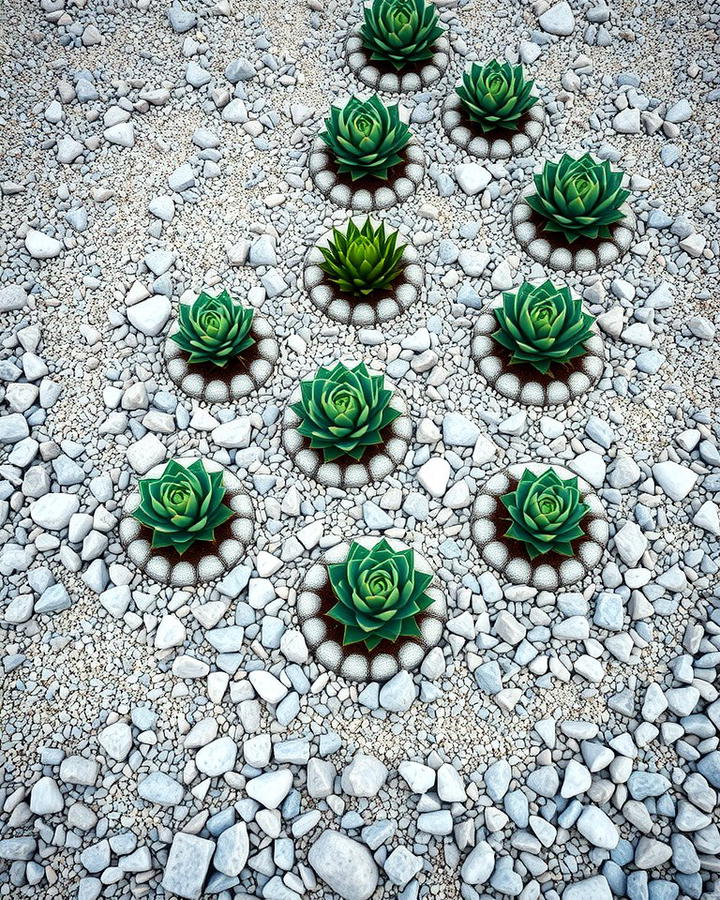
(184, 505)
(579, 198)
(542, 325)
(214, 329)
(400, 33)
(379, 594)
(496, 95)
(362, 260)
(545, 513)
(366, 137)
(344, 411)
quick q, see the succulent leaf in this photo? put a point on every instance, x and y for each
(496, 95)
(184, 505)
(400, 33)
(362, 260)
(542, 325)
(344, 411)
(545, 513)
(214, 330)
(366, 137)
(379, 594)
(579, 198)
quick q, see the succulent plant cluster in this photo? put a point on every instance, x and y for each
(400, 33)
(542, 325)
(379, 594)
(365, 137)
(184, 505)
(545, 513)
(214, 330)
(579, 198)
(344, 411)
(496, 95)
(362, 260)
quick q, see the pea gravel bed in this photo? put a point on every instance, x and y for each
(162, 741)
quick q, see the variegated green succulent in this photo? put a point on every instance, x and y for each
(542, 325)
(344, 411)
(545, 513)
(214, 329)
(365, 137)
(379, 594)
(184, 505)
(496, 95)
(579, 198)
(362, 260)
(400, 33)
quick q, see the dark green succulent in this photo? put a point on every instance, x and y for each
(496, 95)
(542, 325)
(182, 506)
(214, 329)
(344, 411)
(362, 260)
(580, 198)
(545, 512)
(400, 33)
(379, 594)
(366, 137)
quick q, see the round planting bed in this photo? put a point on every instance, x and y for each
(524, 384)
(205, 560)
(385, 78)
(236, 380)
(509, 557)
(498, 144)
(366, 194)
(354, 662)
(374, 309)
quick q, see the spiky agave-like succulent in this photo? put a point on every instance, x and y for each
(379, 594)
(545, 513)
(542, 325)
(214, 329)
(344, 411)
(184, 505)
(400, 32)
(496, 95)
(580, 198)
(362, 260)
(366, 137)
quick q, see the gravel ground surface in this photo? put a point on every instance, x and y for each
(184, 742)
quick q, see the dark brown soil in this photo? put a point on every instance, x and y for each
(345, 461)
(194, 553)
(557, 240)
(525, 372)
(386, 68)
(505, 134)
(372, 298)
(238, 366)
(502, 522)
(369, 182)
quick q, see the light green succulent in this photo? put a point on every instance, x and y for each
(400, 33)
(542, 325)
(379, 594)
(362, 260)
(183, 506)
(496, 95)
(214, 329)
(545, 513)
(344, 411)
(366, 138)
(579, 198)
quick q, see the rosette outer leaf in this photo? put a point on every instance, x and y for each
(366, 137)
(542, 325)
(579, 198)
(184, 505)
(344, 411)
(362, 260)
(379, 594)
(545, 513)
(496, 95)
(214, 329)
(400, 33)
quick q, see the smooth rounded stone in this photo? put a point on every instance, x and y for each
(345, 865)
(79, 770)
(595, 888)
(504, 879)
(187, 866)
(116, 740)
(161, 789)
(401, 866)
(54, 511)
(368, 73)
(674, 479)
(491, 147)
(397, 694)
(478, 865)
(150, 315)
(420, 778)
(18, 848)
(45, 797)
(498, 774)
(364, 776)
(12, 298)
(650, 853)
(217, 757)
(42, 246)
(595, 826)
(270, 788)
(232, 849)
